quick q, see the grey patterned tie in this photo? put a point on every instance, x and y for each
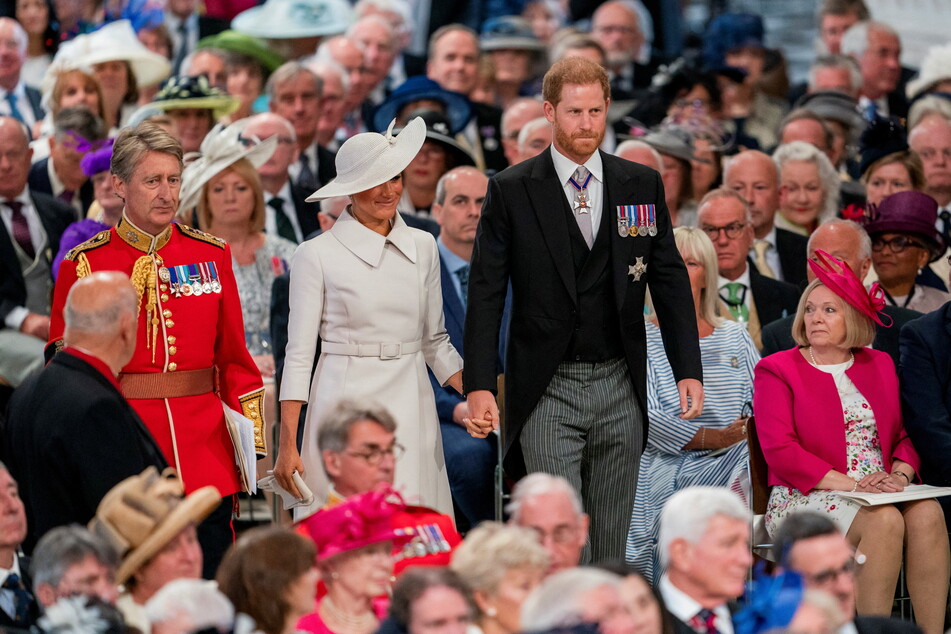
(582, 206)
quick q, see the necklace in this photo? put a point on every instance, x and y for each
(365, 622)
(816, 363)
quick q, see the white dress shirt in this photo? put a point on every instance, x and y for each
(565, 169)
(7, 600)
(270, 216)
(23, 104)
(685, 608)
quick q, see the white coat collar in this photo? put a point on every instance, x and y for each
(367, 244)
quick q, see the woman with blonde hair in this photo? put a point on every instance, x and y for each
(710, 449)
(501, 565)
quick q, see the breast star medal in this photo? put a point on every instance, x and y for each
(637, 269)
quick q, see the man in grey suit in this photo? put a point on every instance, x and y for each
(575, 371)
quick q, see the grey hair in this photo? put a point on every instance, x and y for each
(334, 430)
(321, 67)
(802, 151)
(104, 321)
(837, 61)
(726, 192)
(540, 483)
(927, 105)
(78, 121)
(865, 242)
(65, 546)
(557, 602)
(287, 125)
(492, 549)
(287, 71)
(632, 144)
(528, 129)
(379, 19)
(400, 7)
(797, 527)
(855, 39)
(187, 61)
(19, 34)
(688, 512)
(323, 53)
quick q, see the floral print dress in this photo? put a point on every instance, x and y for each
(864, 457)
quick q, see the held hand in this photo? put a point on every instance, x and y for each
(691, 398)
(288, 461)
(483, 412)
(460, 413)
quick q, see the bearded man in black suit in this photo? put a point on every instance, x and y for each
(575, 377)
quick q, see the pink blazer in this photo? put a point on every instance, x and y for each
(799, 416)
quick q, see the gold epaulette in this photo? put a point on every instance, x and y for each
(96, 241)
(191, 232)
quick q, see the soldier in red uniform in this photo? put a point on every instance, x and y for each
(190, 358)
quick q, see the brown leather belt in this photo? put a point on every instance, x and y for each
(167, 384)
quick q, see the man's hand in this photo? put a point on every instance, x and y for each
(36, 325)
(691, 398)
(483, 412)
(460, 413)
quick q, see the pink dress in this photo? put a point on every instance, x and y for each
(314, 624)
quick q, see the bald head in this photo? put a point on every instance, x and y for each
(753, 175)
(101, 314)
(520, 112)
(640, 152)
(844, 240)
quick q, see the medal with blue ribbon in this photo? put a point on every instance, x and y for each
(581, 202)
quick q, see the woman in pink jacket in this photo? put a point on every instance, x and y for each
(829, 421)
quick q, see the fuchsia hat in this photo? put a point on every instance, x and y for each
(842, 281)
(359, 521)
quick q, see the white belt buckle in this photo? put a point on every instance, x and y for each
(391, 350)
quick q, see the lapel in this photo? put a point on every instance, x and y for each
(8, 253)
(368, 245)
(454, 311)
(547, 195)
(616, 192)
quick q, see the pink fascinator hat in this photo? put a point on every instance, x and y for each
(840, 278)
(359, 521)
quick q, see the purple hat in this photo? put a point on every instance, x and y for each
(909, 212)
(98, 160)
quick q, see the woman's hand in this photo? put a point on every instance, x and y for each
(265, 363)
(732, 434)
(288, 461)
(882, 482)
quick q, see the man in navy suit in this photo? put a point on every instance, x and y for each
(469, 461)
(18, 607)
(17, 100)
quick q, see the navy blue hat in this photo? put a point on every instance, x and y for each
(730, 31)
(509, 32)
(883, 136)
(458, 108)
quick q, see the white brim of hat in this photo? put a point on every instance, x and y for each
(284, 20)
(197, 173)
(370, 159)
(193, 509)
(117, 41)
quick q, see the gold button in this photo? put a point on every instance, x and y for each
(164, 297)
(172, 349)
(166, 313)
(172, 366)
(169, 323)
(171, 338)
(163, 287)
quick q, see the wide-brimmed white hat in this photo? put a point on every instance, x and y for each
(935, 68)
(115, 41)
(369, 159)
(289, 19)
(222, 147)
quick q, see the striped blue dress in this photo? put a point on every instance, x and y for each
(728, 356)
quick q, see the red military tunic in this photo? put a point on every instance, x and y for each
(179, 332)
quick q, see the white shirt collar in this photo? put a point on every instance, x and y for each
(743, 279)
(369, 245)
(684, 607)
(565, 167)
(15, 570)
(770, 237)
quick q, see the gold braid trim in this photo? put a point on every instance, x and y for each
(82, 266)
(252, 406)
(144, 279)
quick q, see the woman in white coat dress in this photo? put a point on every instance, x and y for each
(370, 290)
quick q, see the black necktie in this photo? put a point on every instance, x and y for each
(306, 178)
(463, 275)
(182, 47)
(21, 598)
(284, 227)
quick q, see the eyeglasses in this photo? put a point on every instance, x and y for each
(897, 244)
(732, 230)
(561, 534)
(826, 577)
(374, 454)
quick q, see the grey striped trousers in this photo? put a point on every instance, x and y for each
(588, 428)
